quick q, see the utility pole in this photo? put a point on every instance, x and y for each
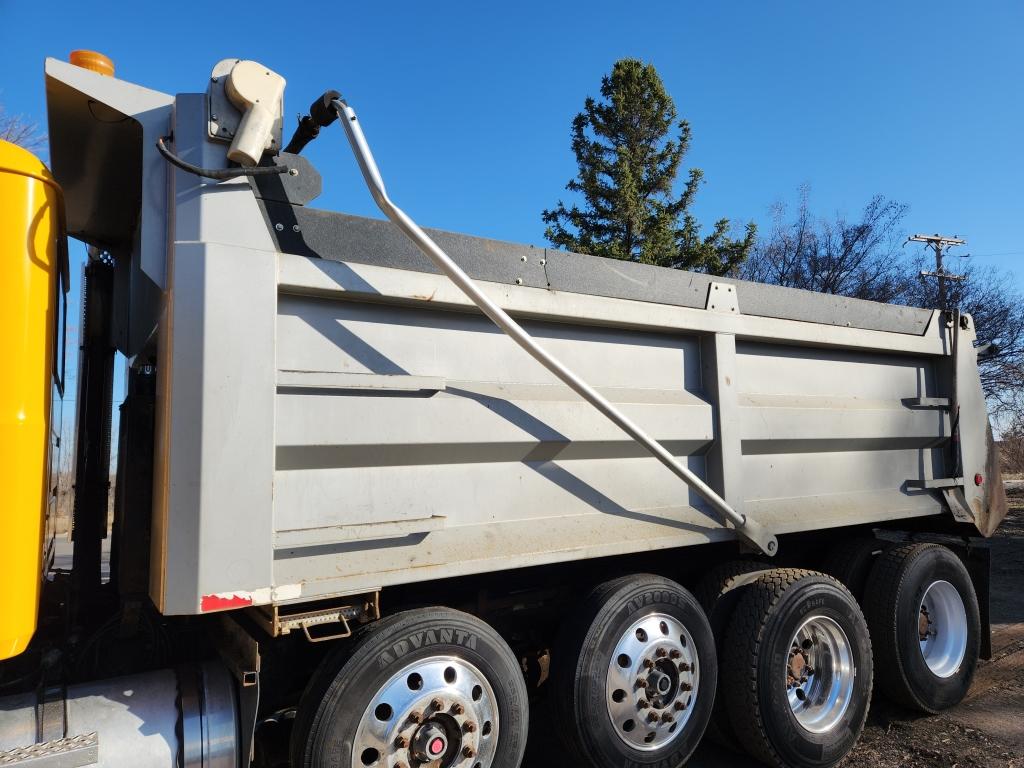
(939, 243)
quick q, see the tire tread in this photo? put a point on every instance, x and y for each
(745, 637)
(846, 563)
(885, 588)
(713, 587)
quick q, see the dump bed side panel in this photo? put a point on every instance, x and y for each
(403, 432)
(417, 442)
(411, 440)
(829, 435)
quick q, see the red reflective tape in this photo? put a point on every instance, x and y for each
(436, 747)
(223, 603)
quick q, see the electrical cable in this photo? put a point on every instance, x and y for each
(216, 173)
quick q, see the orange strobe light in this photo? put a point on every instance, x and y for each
(92, 60)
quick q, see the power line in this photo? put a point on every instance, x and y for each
(1001, 253)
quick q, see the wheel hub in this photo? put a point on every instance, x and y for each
(652, 679)
(659, 684)
(819, 674)
(439, 712)
(942, 628)
(430, 742)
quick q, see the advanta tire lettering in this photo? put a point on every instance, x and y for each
(427, 638)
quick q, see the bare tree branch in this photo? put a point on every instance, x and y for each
(18, 130)
(864, 259)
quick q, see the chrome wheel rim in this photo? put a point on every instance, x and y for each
(942, 628)
(653, 679)
(819, 674)
(437, 712)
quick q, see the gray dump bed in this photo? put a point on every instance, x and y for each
(335, 417)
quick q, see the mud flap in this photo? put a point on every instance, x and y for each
(989, 518)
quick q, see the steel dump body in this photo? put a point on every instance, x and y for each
(334, 416)
(403, 437)
(363, 425)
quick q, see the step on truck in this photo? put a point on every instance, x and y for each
(388, 497)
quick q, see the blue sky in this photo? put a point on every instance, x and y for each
(468, 105)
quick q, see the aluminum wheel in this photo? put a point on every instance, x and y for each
(820, 674)
(653, 677)
(942, 628)
(437, 712)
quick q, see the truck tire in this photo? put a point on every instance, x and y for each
(718, 592)
(925, 626)
(850, 561)
(796, 669)
(430, 685)
(634, 675)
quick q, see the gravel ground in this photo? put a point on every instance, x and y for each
(986, 729)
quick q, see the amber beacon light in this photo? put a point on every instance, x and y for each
(92, 60)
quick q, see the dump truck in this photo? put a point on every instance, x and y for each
(382, 492)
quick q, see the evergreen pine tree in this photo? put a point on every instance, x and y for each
(628, 163)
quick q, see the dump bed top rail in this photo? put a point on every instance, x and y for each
(358, 240)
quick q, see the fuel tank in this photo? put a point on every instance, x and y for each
(33, 268)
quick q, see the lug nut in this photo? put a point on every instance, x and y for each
(402, 742)
(469, 726)
(661, 653)
(684, 667)
(641, 682)
(436, 704)
(648, 664)
(666, 718)
(416, 717)
(686, 686)
(675, 653)
(680, 706)
(643, 704)
(458, 709)
(467, 751)
(652, 717)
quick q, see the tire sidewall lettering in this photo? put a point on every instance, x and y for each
(635, 604)
(427, 638)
